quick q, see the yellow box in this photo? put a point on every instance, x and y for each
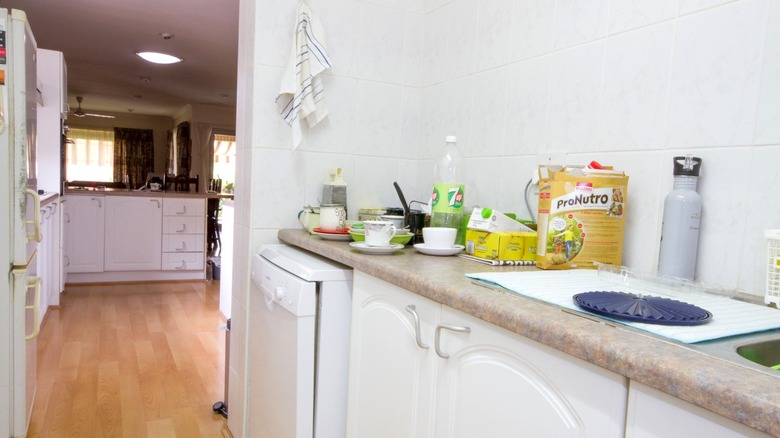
(502, 245)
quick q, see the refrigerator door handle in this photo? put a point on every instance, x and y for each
(36, 222)
(34, 283)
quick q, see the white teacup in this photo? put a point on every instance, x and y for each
(378, 233)
(155, 186)
(439, 237)
(333, 217)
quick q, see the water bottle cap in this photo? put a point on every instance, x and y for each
(687, 165)
(451, 139)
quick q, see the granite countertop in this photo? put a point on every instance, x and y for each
(726, 388)
(160, 194)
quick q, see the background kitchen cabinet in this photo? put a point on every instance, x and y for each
(48, 256)
(52, 78)
(654, 414)
(84, 233)
(494, 382)
(133, 229)
(184, 236)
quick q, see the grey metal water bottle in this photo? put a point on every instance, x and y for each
(682, 216)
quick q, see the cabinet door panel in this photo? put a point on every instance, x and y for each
(390, 379)
(184, 207)
(496, 384)
(84, 237)
(133, 233)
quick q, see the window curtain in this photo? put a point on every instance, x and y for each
(202, 152)
(90, 155)
(170, 158)
(133, 155)
(183, 149)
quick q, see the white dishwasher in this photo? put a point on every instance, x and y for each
(299, 317)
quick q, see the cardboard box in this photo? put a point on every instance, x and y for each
(486, 219)
(502, 245)
(582, 214)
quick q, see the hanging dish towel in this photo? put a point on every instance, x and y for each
(301, 93)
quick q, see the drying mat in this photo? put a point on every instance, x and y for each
(730, 317)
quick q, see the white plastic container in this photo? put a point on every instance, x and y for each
(773, 267)
(682, 216)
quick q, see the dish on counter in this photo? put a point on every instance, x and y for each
(340, 232)
(400, 239)
(438, 251)
(327, 235)
(365, 249)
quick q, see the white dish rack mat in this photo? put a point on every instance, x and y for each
(729, 317)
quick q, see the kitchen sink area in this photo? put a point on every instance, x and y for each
(760, 351)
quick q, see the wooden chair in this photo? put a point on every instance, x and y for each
(183, 183)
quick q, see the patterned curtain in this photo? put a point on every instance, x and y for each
(133, 155)
(183, 149)
(169, 157)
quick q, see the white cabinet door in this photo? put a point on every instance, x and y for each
(495, 383)
(84, 233)
(133, 233)
(654, 414)
(390, 376)
(472, 380)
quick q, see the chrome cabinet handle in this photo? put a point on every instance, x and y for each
(417, 335)
(183, 247)
(454, 328)
(100, 203)
(183, 210)
(67, 218)
(67, 261)
(156, 202)
(183, 266)
(183, 228)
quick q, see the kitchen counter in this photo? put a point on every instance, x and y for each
(741, 393)
(161, 193)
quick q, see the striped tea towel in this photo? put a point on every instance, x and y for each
(300, 95)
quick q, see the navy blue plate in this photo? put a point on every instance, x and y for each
(647, 309)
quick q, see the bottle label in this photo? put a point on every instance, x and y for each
(447, 198)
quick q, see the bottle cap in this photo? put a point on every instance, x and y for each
(451, 139)
(687, 165)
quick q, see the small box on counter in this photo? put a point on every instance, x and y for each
(486, 219)
(501, 245)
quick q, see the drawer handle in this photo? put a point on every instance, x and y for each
(183, 228)
(417, 335)
(454, 328)
(183, 247)
(183, 266)
(183, 210)
(156, 202)
(100, 203)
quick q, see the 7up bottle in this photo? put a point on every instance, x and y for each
(447, 198)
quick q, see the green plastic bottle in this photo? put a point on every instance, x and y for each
(448, 189)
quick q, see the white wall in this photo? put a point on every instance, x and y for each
(627, 83)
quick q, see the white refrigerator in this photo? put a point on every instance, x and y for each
(19, 223)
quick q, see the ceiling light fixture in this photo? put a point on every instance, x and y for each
(159, 58)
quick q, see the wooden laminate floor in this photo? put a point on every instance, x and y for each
(131, 360)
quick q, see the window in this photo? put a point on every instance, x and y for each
(90, 155)
(225, 158)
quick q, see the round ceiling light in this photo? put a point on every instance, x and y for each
(159, 58)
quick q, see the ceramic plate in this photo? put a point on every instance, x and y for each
(438, 251)
(332, 236)
(321, 231)
(362, 247)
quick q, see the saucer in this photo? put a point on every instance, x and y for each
(438, 251)
(331, 235)
(362, 247)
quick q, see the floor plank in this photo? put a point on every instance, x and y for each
(131, 360)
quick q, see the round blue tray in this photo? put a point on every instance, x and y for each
(646, 309)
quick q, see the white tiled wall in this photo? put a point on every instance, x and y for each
(628, 83)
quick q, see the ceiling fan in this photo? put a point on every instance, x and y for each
(80, 112)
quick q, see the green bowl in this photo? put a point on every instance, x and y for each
(401, 239)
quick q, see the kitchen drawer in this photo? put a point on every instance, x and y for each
(183, 261)
(184, 225)
(184, 207)
(184, 243)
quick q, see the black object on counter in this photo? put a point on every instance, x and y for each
(401, 197)
(647, 309)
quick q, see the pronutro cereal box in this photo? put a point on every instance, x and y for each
(582, 213)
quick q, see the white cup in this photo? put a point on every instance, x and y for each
(155, 186)
(439, 237)
(333, 217)
(378, 233)
(309, 219)
(397, 221)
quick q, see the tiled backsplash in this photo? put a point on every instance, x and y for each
(627, 83)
